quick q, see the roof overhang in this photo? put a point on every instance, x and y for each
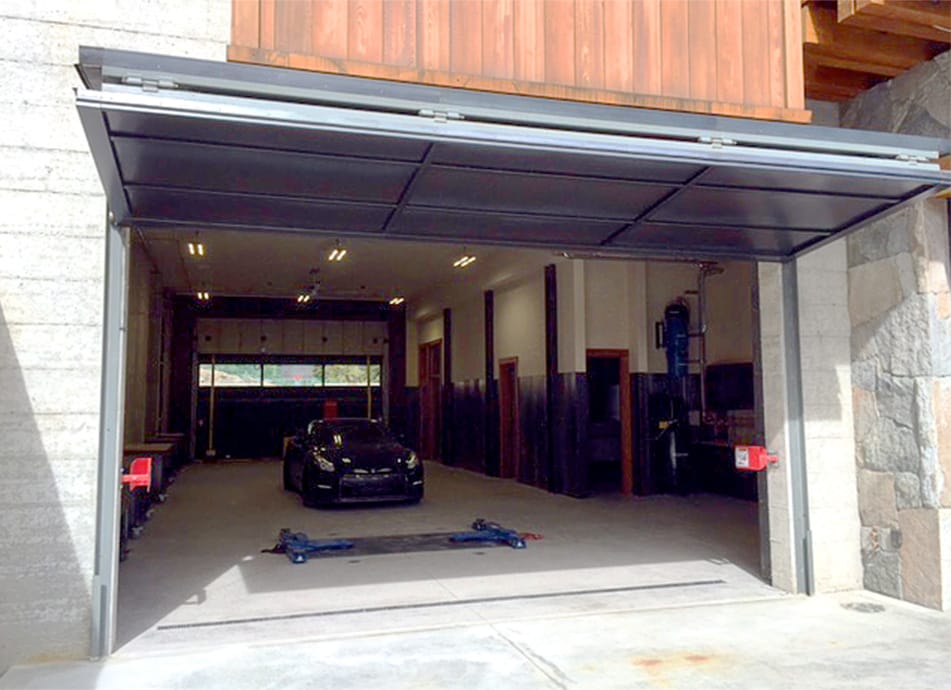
(197, 144)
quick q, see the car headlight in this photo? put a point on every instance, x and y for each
(412, 461)
(323, 463)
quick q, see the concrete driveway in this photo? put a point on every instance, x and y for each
(851, 640)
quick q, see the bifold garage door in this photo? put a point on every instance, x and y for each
(191, 143)
(196, 145)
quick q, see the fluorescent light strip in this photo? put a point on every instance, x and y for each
(397, 300)
(463, 261)
(196, 249)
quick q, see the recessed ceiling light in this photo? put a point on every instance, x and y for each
(337, 254)
(463, 261)
(196, 249)
(397, 301)
(303, 298)
(203, 296)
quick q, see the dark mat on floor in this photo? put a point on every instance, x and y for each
(401, 543)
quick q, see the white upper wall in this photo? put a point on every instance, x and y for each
(468, 339)
(520, 325)
(730, 314)
(607, 308)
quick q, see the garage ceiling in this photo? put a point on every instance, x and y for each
(195, 144)
(254, 264)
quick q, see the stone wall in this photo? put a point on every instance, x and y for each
(52, 244)
(900, 312)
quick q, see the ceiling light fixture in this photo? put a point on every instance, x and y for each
(196, 249)
(337, 254)
(396, 301)
(203, 295)
(463, 261)
(303, 298)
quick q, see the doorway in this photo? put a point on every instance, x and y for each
(430, 399)
(509, 438)
(609, 442)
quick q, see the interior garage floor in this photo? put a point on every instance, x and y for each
(197, 574)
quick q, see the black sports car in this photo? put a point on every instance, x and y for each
(351, 461)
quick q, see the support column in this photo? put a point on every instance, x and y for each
(111, 407)
(802, 538)
(448, 406)
(396, 368)
(491, 443)
(785, 544)
(555, 476)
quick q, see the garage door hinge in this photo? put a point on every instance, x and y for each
(717, 142)
(150, 85)
(911, 159)
(440, 115)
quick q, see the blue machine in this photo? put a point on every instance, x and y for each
(298, 547)
(677, 339)
(490, 532)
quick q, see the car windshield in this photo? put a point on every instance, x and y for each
(357, 432)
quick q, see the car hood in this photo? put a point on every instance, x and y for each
(368, 456)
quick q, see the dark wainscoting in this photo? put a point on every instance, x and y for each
(533, 431)
(569, 433)
(469, 420)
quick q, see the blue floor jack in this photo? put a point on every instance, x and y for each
(491, 532)
(298, 547)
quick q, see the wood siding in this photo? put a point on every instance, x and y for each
(727, 57)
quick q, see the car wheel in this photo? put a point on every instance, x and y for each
(288, 484)
(307, 498)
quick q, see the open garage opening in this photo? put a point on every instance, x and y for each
(542, 390)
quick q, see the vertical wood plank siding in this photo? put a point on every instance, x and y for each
(731, 57)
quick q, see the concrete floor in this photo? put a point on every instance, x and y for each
(197, 578)
(853, 640)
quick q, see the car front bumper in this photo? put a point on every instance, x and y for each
(366, 488)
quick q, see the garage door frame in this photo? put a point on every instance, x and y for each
(659, 135)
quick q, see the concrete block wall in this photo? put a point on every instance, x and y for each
(827, 421)
(51, 295)
(900, 313)
(825, 356)
(773, 356)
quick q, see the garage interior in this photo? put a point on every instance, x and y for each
(242, 338)
(554, 303)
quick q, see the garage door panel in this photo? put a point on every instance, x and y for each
(248, 211)
(528, 160)
(714, 239)
(887, 188)
(766, 209)
(540, 194)
(231, 169)
(262, 136)
(488, 227)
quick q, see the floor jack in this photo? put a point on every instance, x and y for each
(491, 532)
(298, 547)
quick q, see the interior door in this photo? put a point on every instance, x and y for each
(430, 398)
(508, 422)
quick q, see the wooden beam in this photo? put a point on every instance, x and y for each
(825, 83)
(924, 19)
(836, 45)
